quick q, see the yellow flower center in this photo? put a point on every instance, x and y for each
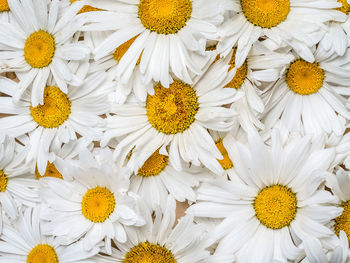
(149, 253)
(3, 181)
(97, 204)
(172, 110)
(343, 221)
(42, 254)
(39, 49)
(345, 8)
(55, 111)
(164, 16)
(154, 165)
(304, 78)
(275, 206)
(226, 163)
(51, 171)
(4, 6)
(265, 13)
(121, 50)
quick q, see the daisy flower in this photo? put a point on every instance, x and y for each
(160, 36)
(276, 204)
(158, 242)
(315, 253)
(25, 242)
(261, 66)
(17, 186)
(340, 185)
(59, 119)
(298, 24)
(37, 43)
(337, 37)
(110, 64)
(224, 143)
(311, 97)
(66, 152)
(97, 206)
(177, 116)
(156, 178)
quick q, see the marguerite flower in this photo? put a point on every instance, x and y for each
(161, 36)
(156, 178)
(25, 242)
(63, 153)
(261, 66)
(340, 185)
(298, 24)
(158, 242)
(38, 43)
(177, 116)
(59, 119)
(97, 207)
(337, 36)
(110, 64)
(315, 252)
(311, 97)
(276, 203)
(17, 185)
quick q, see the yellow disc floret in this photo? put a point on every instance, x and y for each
(154, 165)
(55, 111)
(97, 204)
(51, 171)
(4, 6)
(304, 78)
(149, 253)
(275, 206)
(3, 181)
(265, 13)
(42, 253)
(226, 162)
(172, 110)
(345, 8)
(39, 49)
(164, 16)
(121, 50)
(342, 222)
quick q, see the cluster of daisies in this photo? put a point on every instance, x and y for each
(115, 112)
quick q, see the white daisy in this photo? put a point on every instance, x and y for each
(177, 116)
(224, 143)
(25, 242)
(59, 119)
(156, 178)
(38, 43)
(110, 64)
(311, 97)
(158, 242)
(340, 185)
(162, 35)
(337, 36)
(17, 185)
(97, 204)
(64, 153)
(261, 66)
(276, 204)
(298, 24)
(315, 253)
